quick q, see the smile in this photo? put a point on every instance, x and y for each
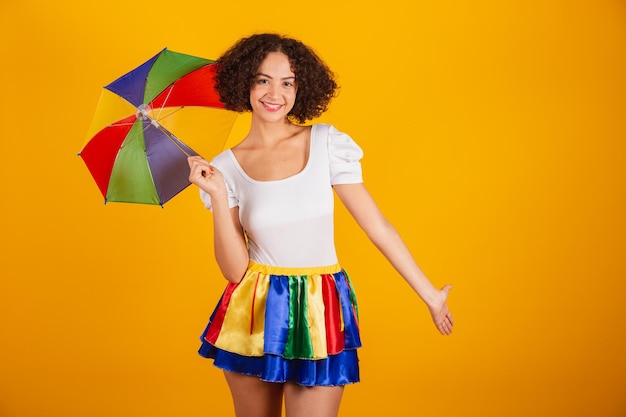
(271, 106)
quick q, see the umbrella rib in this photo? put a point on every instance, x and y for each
(165, 101)
(167, 115)
(122, 124)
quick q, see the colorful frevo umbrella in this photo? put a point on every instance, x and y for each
(133, 151)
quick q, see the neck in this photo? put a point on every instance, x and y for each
(269, 132)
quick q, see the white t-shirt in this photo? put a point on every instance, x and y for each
(289, 222)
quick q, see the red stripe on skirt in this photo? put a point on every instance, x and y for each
(256, 284)
(332, 316)
(216, 324)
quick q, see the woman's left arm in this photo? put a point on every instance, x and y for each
(363, 208)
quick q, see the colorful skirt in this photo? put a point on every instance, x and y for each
(287, 325)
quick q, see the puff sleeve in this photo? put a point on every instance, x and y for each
(344, 158)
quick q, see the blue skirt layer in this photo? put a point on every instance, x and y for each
(339, 369)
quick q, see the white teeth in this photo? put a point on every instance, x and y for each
(272, 106)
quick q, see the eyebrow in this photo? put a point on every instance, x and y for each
(269, 76)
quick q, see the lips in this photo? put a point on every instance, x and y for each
(271, 106)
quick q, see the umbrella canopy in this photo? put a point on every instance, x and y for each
(132, 151)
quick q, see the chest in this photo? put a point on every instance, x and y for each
(276, 163)
(305, 198)
(301, 194)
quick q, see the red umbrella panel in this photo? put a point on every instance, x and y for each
(134, 152)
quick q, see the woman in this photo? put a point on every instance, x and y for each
(287, 324)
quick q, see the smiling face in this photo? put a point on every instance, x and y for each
(274, 88)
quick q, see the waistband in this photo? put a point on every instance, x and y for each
(288, 271)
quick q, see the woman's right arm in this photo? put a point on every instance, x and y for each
(231, 252)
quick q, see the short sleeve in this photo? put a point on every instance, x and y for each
(344, 157)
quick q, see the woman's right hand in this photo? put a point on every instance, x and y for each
(205, 175)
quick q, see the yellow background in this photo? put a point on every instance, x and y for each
(494, 135)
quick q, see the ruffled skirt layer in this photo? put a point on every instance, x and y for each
(287, 325)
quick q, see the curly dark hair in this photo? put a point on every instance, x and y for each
(238, 66)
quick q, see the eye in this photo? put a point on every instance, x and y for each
(288, 84)
(262, 81)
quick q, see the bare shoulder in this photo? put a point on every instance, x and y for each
(299, 132)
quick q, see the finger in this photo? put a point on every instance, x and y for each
(193, 159)
(199, 167)
(207, 172)
(446, 314)
(197, 173)
(197, 160)
(449, 323)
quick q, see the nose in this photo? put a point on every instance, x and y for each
(272, 91)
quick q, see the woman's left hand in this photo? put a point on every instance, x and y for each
(441, 314)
